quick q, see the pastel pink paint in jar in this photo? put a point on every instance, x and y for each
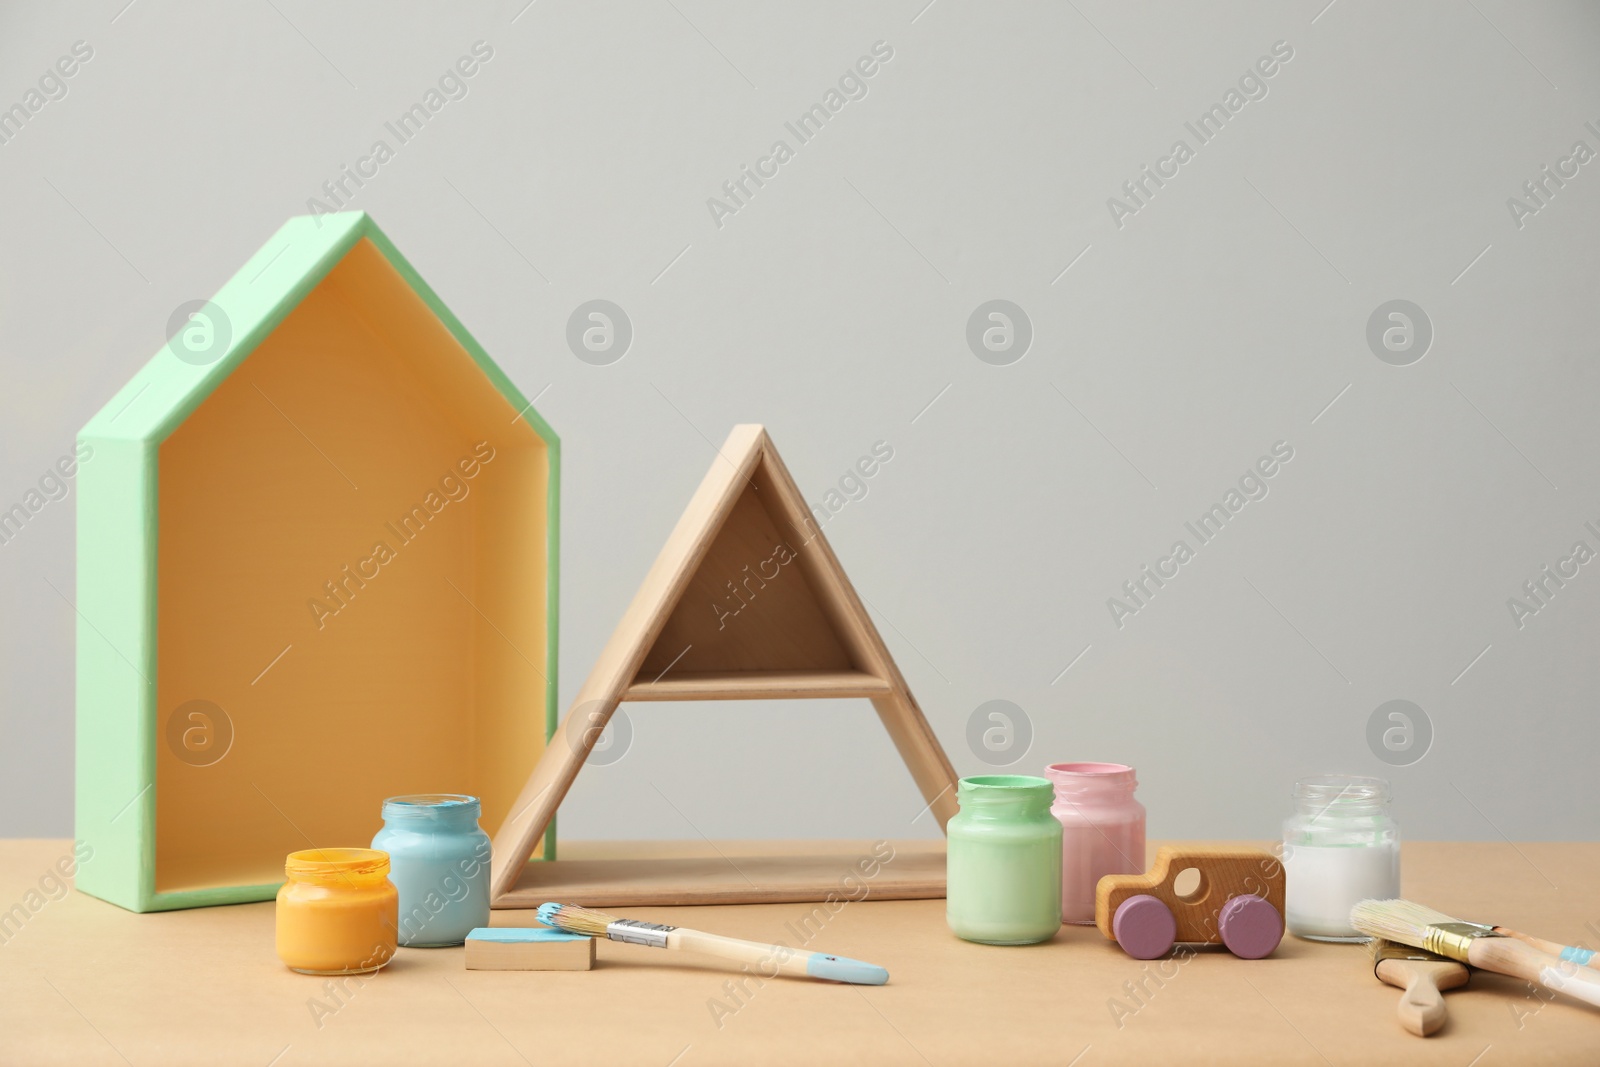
(1102, 830)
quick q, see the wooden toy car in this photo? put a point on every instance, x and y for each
(1238, 902)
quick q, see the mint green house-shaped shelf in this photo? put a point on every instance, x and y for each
(317, 566)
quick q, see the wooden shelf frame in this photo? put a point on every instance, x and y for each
(760, 685)
(746, 601)
(706, 873)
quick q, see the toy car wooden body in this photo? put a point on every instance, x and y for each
(1237, 902)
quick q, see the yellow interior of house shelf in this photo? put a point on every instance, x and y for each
(352, 569)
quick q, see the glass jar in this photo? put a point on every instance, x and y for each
(1339, 847)
(1102, 830)
(439, 860)
(336, 914)
(1003, 869)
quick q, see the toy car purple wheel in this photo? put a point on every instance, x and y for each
(1144, 927)
(1250, 927)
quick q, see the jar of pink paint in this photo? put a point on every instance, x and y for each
(1102, 830)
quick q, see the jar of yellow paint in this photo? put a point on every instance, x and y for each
(338, 911)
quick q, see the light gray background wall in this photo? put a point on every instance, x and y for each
(1169, 353)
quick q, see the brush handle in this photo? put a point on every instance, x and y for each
(769, 961)
(1421, 1009)
(1508, 955)
(1582, 956)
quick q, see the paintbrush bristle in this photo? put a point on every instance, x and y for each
(1396, 920)
(575, 920)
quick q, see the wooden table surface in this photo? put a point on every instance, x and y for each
(83, 982)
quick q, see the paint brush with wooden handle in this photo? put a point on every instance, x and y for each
(1474, 944)
(768, 961)
(1583, 957)
(1422, 975)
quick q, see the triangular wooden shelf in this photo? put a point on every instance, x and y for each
(745, 602)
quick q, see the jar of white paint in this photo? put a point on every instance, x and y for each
(1340, 846)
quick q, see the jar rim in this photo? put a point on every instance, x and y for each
(1091, 781)
(432, 805)
(1342, 789)
(1005, 785)
(433, 800)
(337, 863)
(1090, 769)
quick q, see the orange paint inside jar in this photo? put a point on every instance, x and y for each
(338, 911)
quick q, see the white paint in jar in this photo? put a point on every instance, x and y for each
(1325, 881)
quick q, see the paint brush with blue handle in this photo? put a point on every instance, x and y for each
(768, 961)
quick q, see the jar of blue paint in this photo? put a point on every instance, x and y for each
(439, 861)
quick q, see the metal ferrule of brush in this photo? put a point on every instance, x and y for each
(1394, 950)
(1454, 939)
(638, 932)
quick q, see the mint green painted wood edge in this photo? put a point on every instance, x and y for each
(117, 720)
(166, 390)
(115, 760)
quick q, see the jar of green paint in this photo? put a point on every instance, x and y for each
(1004, 861)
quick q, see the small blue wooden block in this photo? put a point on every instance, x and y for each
(528, 948)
